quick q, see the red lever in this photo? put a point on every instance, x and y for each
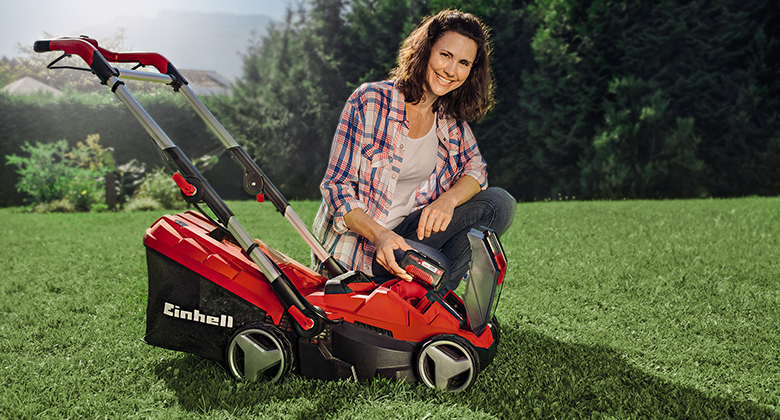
(260, 198)
(188, 189)
(305, 322)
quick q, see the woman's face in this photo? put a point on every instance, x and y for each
(450, 63)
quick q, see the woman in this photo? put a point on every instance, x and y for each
(405, 170)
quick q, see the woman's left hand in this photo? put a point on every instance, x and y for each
(435, 217)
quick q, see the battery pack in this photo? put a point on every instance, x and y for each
(423, 269)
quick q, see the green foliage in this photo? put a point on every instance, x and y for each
(6, 76)
(709, 59)
(62, 205)
(627, 310)
(640, 152)
(373, 32)
(75, 116)
(130, 176)
(90, 155)
(53, 173)
(555, 126)
(45, 175)
(86, 188)
(143, 204)
(158, 187)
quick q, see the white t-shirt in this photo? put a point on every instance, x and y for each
(418, 164)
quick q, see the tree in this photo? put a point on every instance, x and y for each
(710, 60)
(284, 110)
(643, 150)
(580, 84)
(6, 76)
(298, 77)
(374, 32)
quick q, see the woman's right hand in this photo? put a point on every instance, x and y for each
(387, 241)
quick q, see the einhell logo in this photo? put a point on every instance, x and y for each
(176, 312)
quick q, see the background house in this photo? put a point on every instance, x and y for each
(205, 83)
(28, 85)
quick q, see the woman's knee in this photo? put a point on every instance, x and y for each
(504, 206)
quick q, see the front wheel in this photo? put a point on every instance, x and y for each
(259, 352)
(448, 362)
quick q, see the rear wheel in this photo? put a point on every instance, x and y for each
(495, 328)
(259, 352)
(448, 362)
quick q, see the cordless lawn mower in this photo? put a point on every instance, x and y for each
(216, 292)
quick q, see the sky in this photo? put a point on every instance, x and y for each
(24, 21)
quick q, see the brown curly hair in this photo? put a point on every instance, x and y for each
(475, 97)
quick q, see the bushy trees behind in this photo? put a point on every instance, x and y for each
(655, 99)
(596, 99)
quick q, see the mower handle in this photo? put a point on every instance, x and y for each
(92, 53)
(97, 58)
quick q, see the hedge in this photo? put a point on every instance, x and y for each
(46, 119)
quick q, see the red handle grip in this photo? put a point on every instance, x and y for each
(146, 58)
(83, 49)
(86, 48)
(78, 46)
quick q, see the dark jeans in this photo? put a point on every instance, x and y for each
(493, 208)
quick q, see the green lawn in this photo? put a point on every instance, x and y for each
(633, 309)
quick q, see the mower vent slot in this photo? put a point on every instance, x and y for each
(374, 329)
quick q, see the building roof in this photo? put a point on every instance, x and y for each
(204, 82)
(28, 85)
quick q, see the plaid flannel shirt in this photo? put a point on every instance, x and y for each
(364, 165)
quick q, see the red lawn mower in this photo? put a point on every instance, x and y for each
(216, 292)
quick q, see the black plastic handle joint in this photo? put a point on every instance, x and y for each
(102, 69)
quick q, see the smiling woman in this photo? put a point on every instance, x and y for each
(405, 171)
(427, 49)
(450, 63)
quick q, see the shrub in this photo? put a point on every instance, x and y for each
(45, 175)
(57, 206)
(53, 173)
(89, 154)
(86, 189)
(159, 187)
(643, 150)
(143, 204)
(130, 176)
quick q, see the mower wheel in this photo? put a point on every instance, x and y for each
(448, 362)
(495, 328)
(259, 352)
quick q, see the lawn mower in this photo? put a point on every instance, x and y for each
(216, 292)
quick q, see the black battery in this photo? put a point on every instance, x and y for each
(424, 270)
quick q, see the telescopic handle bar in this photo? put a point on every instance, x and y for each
(255, 181)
